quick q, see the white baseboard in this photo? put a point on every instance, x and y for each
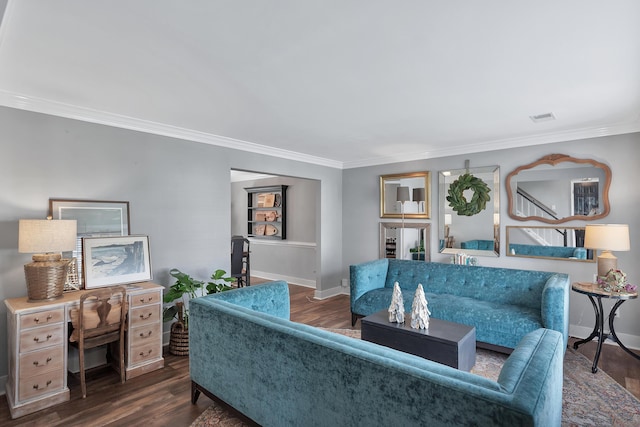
(629, 341)
(289, 279)
(328, 293)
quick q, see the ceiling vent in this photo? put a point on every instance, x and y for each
(542, 117)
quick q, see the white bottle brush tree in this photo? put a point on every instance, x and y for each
(419, 311)
(396, 309)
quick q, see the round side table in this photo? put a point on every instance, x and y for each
(593, 291)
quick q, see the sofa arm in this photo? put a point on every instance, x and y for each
(533, 376)
(555, 305)
(270, 298)
(366, 277)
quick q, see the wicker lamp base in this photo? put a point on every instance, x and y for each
(45, 279)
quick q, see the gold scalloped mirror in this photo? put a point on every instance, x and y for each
(559, 188)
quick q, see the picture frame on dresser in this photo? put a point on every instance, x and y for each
(115, 260)
(95, 218)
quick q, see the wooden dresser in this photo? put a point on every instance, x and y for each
(37, 341)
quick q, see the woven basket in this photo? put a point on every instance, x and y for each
(179, 340)
(45, 280)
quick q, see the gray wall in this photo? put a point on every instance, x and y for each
(621, 153)
(179, 194)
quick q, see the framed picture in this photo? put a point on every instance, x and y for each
(95, 218)
(115, 260)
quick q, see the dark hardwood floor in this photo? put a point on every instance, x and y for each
(162, 398)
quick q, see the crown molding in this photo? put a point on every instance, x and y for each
(54, 108)
(491, 145)
(60, 109)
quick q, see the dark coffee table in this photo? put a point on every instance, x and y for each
(444, 342)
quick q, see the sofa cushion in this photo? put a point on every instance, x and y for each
(494, 322)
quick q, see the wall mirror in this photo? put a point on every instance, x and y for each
(477, 234)
(411, 241)
(407, 193)
(559, 188)
(561, 243)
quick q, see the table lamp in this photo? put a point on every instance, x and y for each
(402, 196)
(419, 197)
(607, 237)
(46, 275)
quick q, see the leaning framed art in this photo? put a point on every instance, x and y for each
(115, 260)
(95, 218)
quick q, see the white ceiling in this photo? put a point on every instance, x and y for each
(343, 83)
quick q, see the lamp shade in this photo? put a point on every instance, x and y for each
(418, 194)
(45, 235)
(402, 194)
(611, 237)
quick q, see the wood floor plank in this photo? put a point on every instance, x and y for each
(163, 397)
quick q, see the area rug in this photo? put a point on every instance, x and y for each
(587, 399)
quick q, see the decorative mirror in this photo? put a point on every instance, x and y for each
(561, 243)
(559, 188)
(469, 211)
(408, 241)
(405, 195)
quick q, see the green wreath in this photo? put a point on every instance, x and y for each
(479, 200)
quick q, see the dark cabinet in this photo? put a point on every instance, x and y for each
(267, 212)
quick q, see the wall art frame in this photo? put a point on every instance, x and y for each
(95, 218)
(115, 260)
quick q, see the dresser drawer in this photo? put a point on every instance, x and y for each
(41, 384)
(37, 338)
(146, 298)
(145, 315)
(38, 362)
(144, 333)
(146, 351)
(41, 318)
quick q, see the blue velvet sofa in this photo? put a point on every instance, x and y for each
(503, 304)
(547, 251)
(244, 351)
(483, 245)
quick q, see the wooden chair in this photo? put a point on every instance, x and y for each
(99, 320)
(240, 260)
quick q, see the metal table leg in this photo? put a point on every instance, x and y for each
(601, 335)
(612, 331)
(594, 333)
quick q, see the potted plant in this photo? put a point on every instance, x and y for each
(417, 253)
(188, 287)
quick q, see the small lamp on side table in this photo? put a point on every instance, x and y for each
(45, 276)
(607, 237)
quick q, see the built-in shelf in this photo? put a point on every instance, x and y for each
(267, 212)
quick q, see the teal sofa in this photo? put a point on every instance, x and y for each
(548, 251)
(483, 245)
(503, 304)
(244, 351)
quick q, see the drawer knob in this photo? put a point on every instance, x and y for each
(37, 386)
(37, 339)
(143, 300)
(148, 316)
(36, 363)
(37, 319)
(147, 335)
(148, 353)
